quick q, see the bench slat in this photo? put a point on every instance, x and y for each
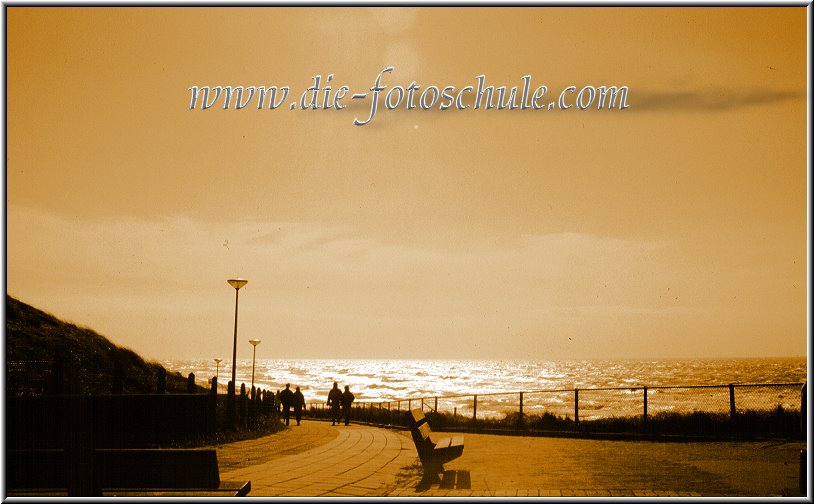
(424, 430)
(418, 416)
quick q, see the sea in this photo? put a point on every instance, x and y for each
(610, 387)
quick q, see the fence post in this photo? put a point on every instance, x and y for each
(644, 416)
(475, 409)
(161, 384)
(803, 412)
(213, 405)
(230, 403)
(81, 473)
(254, 401)
(803, 474)
(257, 403)
(436, 404)
(732, 411)
(243, 403)
(422, 404)
(576, 409)
(118, 376)
(410, 405)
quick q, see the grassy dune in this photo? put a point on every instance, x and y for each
(41, 349)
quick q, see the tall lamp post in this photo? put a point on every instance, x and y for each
(254, 343)
(217, 366)
(237, 283)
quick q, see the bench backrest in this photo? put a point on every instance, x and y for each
(125, 468)
(418, 416)
(159, 468)
(420, 429)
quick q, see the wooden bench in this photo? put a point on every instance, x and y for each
(433, 453)
(118, 472)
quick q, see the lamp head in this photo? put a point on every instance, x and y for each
(237, 283)
(254, 342)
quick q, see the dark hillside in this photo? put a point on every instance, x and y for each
(45, 354)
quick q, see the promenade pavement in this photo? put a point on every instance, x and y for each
(316, 459)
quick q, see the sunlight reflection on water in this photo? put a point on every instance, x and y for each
(391, 380)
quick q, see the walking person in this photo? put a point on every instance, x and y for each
(286, 399)
(347, 400)
(335, 402)
(299, 404)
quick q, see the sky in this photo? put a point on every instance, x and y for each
(675, 227)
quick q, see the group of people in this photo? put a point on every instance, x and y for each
(339, 402)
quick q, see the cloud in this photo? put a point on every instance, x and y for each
(718, 100)
(174, 269)
(159, 286)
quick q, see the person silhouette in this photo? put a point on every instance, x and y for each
(335, 402)
(286, 399)
(347, 400)
(299, 404)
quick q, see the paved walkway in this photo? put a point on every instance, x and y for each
(318, 460)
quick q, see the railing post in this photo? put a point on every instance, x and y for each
(436, 404)
(732, 411)
(644, 416)
(576, 409)
(520, 418)
(422, 404)
(410, 405)
(475, 409)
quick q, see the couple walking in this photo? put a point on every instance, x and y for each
(288, 399)
(337, 398)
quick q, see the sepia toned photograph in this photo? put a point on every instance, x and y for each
(545, 251)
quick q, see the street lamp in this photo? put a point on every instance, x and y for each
(254, 343)
(217, 366)
(237, 283)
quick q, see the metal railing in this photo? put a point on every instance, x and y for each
(737, 407)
